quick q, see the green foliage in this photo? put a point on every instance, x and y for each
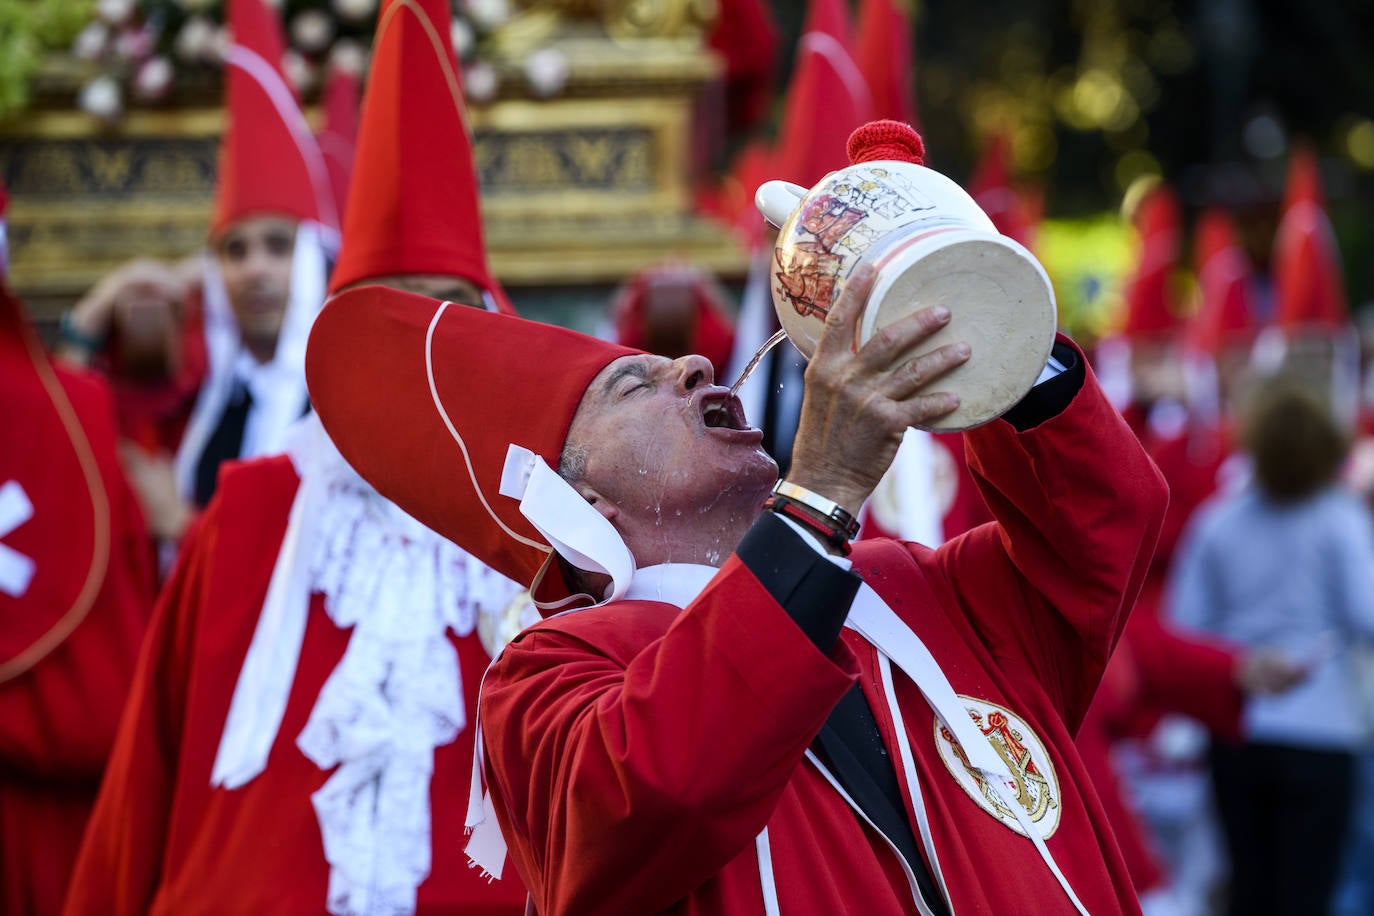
(28, 30)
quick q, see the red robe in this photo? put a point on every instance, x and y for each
(634, 751)
(1155, 670)
(70, 637)
(162, 840)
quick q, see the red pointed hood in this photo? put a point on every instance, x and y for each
(413, 200)
(269, 163)
(1226, 293)
(883, 51)
(827, 98)
(54, 506)
(1150, 306)
(424, 399)
(1308, 280)
(1013, 213)
(746, 36)
(338, 139)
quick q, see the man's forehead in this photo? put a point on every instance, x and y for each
(634, 365)
(261, 224)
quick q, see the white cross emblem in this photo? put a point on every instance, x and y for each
(16, 570)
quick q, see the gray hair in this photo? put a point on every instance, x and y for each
(572, 464)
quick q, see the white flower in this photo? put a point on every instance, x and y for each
(480, 82)
(100, 97)
(196, 40)
(153, 78)
(219, 44)
(489, 13)
(347, 55)
(133, 44)
(463, 38)
(298, 71)
(90, 42)
(355, 10)
(114, 12)
(547, 72)
(312, 31)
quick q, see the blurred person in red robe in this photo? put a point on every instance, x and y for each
(674, 309)
(220, 377)
(301, 730)
(76, 590)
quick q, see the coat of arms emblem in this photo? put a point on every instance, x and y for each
(1033, 784)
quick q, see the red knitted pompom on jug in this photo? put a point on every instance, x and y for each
(890, 140)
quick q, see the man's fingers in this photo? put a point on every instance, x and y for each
(888, 344)
(908, 377)
(924, 409)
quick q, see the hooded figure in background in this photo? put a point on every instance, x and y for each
(302, 726)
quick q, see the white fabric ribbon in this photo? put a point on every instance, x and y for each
(571, 525)
(394, 697)
(872, 619)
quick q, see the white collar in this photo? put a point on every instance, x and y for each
(677, 584)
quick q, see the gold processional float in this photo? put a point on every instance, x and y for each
(584, 188)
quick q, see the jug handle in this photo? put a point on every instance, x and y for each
(777, 199)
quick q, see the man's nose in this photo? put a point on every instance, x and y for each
(693, 371)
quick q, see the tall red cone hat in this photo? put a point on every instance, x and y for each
(269, 162)
(746, 36)
(1226, 294)
(338, 139)
(425, 399)
(1013, 213)
(1309, 285)
(413, 200)
(1151, 309)
(54, 497)
(827, 98)
(883, 51)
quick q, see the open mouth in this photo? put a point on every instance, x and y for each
(721, 411)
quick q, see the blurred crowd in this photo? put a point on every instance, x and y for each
(1231, 739)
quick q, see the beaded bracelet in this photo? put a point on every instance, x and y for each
(69, 333)
(832, 512)
(805, 517)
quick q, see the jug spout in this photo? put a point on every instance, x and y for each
(777, 199)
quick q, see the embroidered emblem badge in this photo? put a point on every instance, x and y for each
(1033, 783)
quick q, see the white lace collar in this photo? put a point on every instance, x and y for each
(395, 696)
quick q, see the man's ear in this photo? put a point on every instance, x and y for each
(603, 505)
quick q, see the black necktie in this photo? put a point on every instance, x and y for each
(224, 443)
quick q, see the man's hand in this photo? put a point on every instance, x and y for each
(140, 299)
(1265, 671)
(858, 404)
(154, 481)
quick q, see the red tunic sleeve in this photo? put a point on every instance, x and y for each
(1187, 674)
(121, 858)
(632, 755)
(1079, 506)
